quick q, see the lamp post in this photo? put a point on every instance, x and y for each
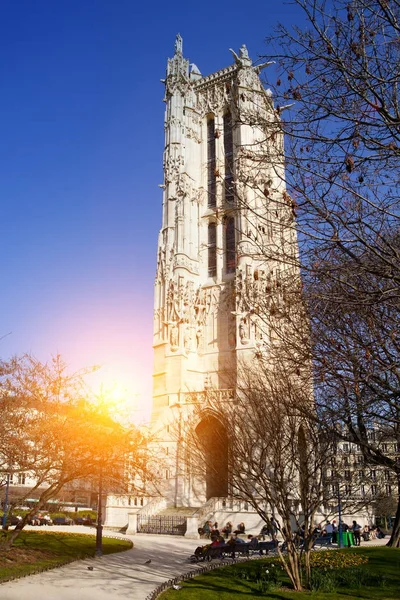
(99, 525)
(5, 510)
(340, 532)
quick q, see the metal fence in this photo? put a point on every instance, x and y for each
(162, 524)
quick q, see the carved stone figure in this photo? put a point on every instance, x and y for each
(243, 60)
(244, 331)
(174, 338)
(178, 44)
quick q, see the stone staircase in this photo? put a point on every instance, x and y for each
(180, 511)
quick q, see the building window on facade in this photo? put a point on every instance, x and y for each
(345, 448)
(347, 475)
(388, 490)
(387, 475)
(167, 474)
(362, 490)
(347, 490)
(374, 490)
(21, 478)
(212, 250)
(228, 151)
(373, 475)
(211, 164)
(230, 250)
(361, 474)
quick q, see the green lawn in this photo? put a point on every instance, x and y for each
(36, 551)
(221, 584)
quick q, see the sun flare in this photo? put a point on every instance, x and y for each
(119, 392)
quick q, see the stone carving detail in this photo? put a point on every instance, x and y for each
(184, 185)
(243, 60)
(174, 338)
(181, 260)
(186, 320)
(172, 167)
(178, 44)
(213, 99)
(248, 78)
(193, 133)
(244, 330)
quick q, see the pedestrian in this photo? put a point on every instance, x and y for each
(356, 529)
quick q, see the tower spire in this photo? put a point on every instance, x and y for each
(178, 44)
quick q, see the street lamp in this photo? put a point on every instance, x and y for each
(5, 510)
(340, 530)
(99, 524)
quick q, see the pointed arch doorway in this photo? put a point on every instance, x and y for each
(214, 443)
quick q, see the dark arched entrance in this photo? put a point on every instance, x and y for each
(214, 442)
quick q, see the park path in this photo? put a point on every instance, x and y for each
(114, 577)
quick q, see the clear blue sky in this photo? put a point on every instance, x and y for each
(81, 141)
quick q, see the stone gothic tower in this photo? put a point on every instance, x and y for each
(220, 172)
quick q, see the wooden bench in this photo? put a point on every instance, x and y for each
(323, 541)
(267, 546)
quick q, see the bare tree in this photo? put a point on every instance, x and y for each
(337, 78)
(342, 133)
(63, 436)
(276, 459)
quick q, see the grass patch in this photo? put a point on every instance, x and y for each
(36, 551)
(380, 580)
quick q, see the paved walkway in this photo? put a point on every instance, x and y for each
(114, 577)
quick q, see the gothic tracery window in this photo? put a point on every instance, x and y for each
(212, 250)
(228, 151)
(230, 249)
(211, 164)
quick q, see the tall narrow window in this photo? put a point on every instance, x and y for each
(228, 150)
(230, 255)
(212, 250)
(211, 166)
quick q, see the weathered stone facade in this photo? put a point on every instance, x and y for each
(221, 218)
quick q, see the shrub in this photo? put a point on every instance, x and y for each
(322, 581)
(266, 576)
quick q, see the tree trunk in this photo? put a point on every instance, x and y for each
(394, 541)
(292, 566)
(7, 543)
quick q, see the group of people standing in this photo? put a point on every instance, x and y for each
(358, 531)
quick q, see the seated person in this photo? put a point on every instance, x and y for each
(217, 540)
(240, 529)
(227, 530)
(265, 531)
(252, 542)
(207, 528)
(200, 550)
(215, 530)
